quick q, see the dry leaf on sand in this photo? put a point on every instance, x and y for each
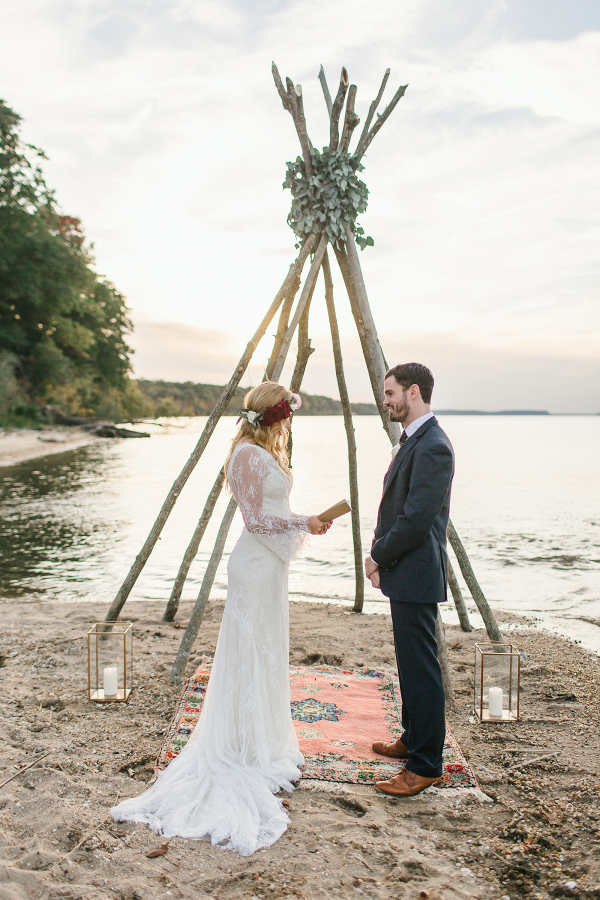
(160, 852)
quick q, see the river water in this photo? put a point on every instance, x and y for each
(526, 503)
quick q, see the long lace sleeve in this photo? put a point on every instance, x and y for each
(283, 534)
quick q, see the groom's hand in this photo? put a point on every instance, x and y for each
(372, 571)
(370, 566)
(374, 579)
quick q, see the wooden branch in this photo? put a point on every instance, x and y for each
(380, 120)
(459, 600)
(336, 110)
(311, 278)
(285, 98)
(217, 412)
(291, 97)
(195, 621)
(192, 550)
(282, 327)
(187, 641)
(300, 122)
(352, 274)
(524, 749)
(372, 369)
(359, 595)
(440, 636)
(536, 759)
(375, 365)
(28, 766)
(369, 325)
(483, 606)
(351, 120)
(93, 831)
(372, 109)
(304, 352)
(304, 348)
(325, 87)
(350, 267)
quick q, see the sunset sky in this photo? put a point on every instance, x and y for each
(166, 136)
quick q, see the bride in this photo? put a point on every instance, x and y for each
(244, 748)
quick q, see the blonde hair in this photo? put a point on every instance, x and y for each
(273, 438)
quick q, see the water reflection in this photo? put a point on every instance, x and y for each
(46, 533)
(72, 523)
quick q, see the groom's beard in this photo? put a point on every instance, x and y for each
(398, 412)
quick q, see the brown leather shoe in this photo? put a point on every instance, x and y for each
(406, 784)
(397, 750)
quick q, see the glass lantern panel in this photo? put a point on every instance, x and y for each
(496, 682)
(110, 662)
(128, 661)
(478, 682)
(513, 704)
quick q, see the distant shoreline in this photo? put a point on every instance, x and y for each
(501, 412)
(506, 412)
(188, 398)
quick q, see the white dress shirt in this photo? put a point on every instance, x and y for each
(410, 429)
(414, 426)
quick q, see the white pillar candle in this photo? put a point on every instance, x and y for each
(111, 681)
(495, 704)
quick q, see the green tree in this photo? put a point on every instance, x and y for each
(65, 325)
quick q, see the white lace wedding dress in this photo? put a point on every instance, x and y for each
(244, 747)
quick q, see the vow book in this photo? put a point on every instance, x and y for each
(334, 512)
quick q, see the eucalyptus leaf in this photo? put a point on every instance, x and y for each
(330, 200)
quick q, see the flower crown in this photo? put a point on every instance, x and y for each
(271, 414)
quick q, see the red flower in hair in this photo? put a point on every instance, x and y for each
(275, 413)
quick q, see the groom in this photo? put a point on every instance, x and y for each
(408, 562)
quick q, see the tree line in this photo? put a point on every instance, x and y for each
(63, 327)
(188, 398)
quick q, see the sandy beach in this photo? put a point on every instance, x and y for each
(537, 836)
(22, 444)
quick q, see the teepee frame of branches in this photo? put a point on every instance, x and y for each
(315, 235)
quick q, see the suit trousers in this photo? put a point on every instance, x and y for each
(421, 686)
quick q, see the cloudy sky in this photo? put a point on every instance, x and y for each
(167, 138)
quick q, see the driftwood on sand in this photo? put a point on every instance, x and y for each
(93, 426)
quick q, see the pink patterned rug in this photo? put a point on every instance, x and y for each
(337, 715)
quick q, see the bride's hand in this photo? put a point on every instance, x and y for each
(317, 526)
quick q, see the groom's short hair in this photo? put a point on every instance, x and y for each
(407, 374)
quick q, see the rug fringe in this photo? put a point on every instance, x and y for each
(333, 787)
(339, 787)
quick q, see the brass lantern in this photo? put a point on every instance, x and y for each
(497, 682)
(110, 662)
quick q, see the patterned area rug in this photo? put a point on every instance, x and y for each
(337, 714)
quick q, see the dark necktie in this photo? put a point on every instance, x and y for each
(396, 448)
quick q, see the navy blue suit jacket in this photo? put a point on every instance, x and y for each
(409, 545)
